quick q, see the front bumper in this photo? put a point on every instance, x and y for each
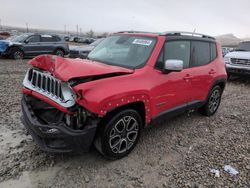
(57, 137)
(237, 69)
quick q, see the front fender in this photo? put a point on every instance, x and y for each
(110, 103)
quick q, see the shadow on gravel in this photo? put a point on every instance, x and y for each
(78, 159)
(240, 80)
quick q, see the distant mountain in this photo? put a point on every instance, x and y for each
(228, 40)
(246, 39)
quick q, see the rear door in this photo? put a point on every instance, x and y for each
(48, 43)
(31, 46)
(202, 69)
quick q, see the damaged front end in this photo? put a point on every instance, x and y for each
(52, 116)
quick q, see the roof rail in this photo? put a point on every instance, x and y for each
(179, 33)
(131, 31)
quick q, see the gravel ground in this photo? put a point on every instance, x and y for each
(176, 153)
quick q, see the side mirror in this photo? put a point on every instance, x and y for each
(26, 41)
(174, 65)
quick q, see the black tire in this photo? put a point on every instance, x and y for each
(229, 76)
(16, 53)
(213, 102)
(59, 52)
(120, 134)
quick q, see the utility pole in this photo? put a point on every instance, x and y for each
(64, 29)
(80, 31)
(1, 24)
(77, 30)
(27, 27)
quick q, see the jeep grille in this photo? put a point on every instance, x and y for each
(47, 85)
(240, 61)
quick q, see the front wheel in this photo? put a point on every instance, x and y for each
(59, 52)
(120, 135)
(17, 54)
(213, 102)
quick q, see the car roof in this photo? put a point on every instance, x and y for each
(182, 34)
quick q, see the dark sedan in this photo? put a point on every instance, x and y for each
(83, 51)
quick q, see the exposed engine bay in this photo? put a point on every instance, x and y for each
(48, 114)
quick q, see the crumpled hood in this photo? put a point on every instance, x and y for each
(66, 69)
(239, 55)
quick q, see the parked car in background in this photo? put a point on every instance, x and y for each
(83, 51)
(225, 51)
(32, 44)
(238, 62)
(129, 81)
(4, 35)
(81, 39)
(89, 40)
(66, 38)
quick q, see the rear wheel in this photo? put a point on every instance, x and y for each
(213, 102)
(59, 52)
(120, 135)
(16, 54)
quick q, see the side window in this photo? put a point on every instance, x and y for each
(213, 51)
(34, 38)
(178, 50)
(48, 38)
(200, 53)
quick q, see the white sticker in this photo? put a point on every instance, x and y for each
(142, 42)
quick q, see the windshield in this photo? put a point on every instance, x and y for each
(96, 42)
(244, 46)
(124, 51)
(18, 38)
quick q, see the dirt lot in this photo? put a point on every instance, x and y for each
(176, 153)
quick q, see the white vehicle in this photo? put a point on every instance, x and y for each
(238, 62)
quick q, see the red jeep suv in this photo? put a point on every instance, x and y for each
(128, 82)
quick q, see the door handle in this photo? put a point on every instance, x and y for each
(187, 77)
(211, 72)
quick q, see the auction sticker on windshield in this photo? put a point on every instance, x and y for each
(142, 42)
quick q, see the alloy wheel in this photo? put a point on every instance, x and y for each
(214, 100)
(123, 135)
(18, 55)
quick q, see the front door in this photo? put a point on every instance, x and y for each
(173, 88)
(31, 47)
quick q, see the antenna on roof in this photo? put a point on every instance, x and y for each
(194, 31)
